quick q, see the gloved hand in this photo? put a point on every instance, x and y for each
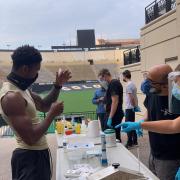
(109, 122)
(137, 109)
(129, 126)
(139, 132)
(178, 175)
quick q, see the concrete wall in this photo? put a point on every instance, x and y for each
(160, 40)
(160, 44)
(72, 57)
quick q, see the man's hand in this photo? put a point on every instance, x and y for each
(56, 109)
(178, 175)
(62, 77)
(101, 99)
(129, 126)
(109, 122)
(139, 132)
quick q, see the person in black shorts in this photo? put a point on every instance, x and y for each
(31, 159)
(131, 104)
(113, 99)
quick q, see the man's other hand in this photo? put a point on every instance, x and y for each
(62, 77)
(109, 122)
(56, 108)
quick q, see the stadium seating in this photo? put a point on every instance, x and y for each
(79, 72)
(76, 62)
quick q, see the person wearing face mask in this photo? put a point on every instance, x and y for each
(131, 104)
(98, 100)
(113, 100)
(18, 106)
(164, 158)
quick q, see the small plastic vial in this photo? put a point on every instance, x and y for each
(65, 144)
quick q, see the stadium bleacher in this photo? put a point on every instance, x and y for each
(76, 62)
(79, 72)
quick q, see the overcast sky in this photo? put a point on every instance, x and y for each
(54, 22)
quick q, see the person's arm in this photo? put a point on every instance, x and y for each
(44, 104)
(114, 105)
(95, 98)
(132, 99)
(163, 126)
(14, 106)
(129, 90)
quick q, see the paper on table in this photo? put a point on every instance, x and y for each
(80, 145)
(80, 172)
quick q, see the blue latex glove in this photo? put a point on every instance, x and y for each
(137, 109)
(109, 123)
(139, 132)
(178, 175)
(129, 126)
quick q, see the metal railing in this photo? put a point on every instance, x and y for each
(5, 130)
(132, 56)
(86, 114)
(157, 8)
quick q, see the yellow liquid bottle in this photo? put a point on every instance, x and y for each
(60, 127)
(78, 128)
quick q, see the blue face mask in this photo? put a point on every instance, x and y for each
(176, 91)
(146, 86)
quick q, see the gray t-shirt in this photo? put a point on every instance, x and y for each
(131, 89)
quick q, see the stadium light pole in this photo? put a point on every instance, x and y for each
(85, 49)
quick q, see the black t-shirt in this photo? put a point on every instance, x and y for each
(115, 88)
(163, 146)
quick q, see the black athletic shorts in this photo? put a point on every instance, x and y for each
(31, 164)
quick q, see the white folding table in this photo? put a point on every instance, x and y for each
(118, 154)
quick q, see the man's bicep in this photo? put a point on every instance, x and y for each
(22, 124)
(115, 98)
(14, 106)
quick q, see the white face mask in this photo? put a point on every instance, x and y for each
(104, 84)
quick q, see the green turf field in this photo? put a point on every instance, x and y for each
(74, 101)
(77, 101)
